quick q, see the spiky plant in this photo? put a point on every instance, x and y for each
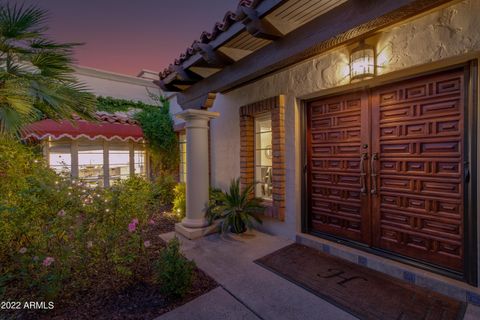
(236, 207)
(36, 74)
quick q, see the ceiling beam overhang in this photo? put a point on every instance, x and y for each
(234, 53)
(348, 22)
(204, 72)
(213, 58)
(263, 8)
(257, 27)
(184, 75)
(166, 87)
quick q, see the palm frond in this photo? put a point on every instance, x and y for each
(45, 44)
(237, 207)
(20, 22)
(53, 64)
(40, 67)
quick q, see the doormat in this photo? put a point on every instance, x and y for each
(365, 293)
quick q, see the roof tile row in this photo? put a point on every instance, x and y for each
(228, 20)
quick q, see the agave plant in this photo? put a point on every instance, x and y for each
(36, 74)
(237, 208)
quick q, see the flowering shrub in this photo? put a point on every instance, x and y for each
(58, 236)
(180, 200)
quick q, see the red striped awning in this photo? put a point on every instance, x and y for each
(109, 127)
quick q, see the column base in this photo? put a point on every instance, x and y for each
(195, 223)
(195, 233)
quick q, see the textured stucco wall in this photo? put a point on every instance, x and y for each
(439, 35)
(122, 87)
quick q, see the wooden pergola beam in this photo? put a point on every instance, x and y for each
(348, 22)
(185, 75)
(257, 27)
(166, 86)
(213, 58)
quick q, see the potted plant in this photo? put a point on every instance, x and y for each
(236, 207)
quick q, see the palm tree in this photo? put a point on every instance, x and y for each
(36, 74)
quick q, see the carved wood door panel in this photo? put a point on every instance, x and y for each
(335, 136)
(417, 132)
(385, 167)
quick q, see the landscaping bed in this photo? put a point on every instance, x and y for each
(88, 253)
(143, 299)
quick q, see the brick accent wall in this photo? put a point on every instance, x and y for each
(276, 107)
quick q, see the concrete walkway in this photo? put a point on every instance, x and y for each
(248, 291)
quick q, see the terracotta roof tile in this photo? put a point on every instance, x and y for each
(228, 20)
(118, 125)
(117, 117)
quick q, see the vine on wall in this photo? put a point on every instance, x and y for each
(157, 125)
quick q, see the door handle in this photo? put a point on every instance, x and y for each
(373, 173)
(363, 174)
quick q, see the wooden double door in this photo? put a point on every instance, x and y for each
(385, 168)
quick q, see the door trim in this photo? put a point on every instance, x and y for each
(470, 273)
(470, 196)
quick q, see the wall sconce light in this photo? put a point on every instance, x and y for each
(362, 62)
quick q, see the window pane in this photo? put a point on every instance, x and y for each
(119, 161)
(60, 157)
(263, 140)
(264, 185)
(139, 160)
(263, 157)
(263, 124)
(90, 163)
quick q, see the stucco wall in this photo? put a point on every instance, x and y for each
(120, 86)
(114, 85)
(426, 40)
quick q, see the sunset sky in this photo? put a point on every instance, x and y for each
(126, 36)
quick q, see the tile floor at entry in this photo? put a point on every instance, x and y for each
(248, 291)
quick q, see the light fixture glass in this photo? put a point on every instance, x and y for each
(362, 62)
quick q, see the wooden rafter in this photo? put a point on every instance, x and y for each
(348, 22)
(259, 28)
(212, 57)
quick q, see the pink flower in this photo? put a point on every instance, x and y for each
(89, 244)
(135, 221)
(131, 227)
(48, 261)
(22, 250)
(61, 213)
(151, 222)
(147, 244)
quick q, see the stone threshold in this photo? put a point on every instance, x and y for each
(423, 278)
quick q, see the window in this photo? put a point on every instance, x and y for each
(90, 163)
(182, 141)
(139, 160)
(119, 161)
(124, 160)
(263, 157)
(60, 157)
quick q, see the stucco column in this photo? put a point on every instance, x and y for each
(197, 184)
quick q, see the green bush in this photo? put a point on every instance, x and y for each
(174, 272)
(237, 207)
(59, 236)
(180, 201)
(163, 189)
